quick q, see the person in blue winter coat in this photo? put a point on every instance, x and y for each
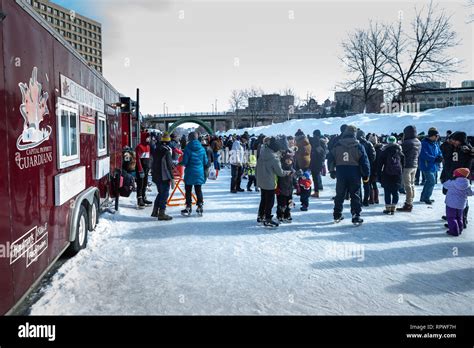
(195, 161)
(349, 164)
(430, 158)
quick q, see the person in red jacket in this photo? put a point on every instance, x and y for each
(143, 167)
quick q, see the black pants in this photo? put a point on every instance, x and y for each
(317, 180)
(353, 186)
(198, 190)
(236, 172)
(252, 181)
(267, 201)
(367, 190)
(142, 185)
(304, 197)
(283, 206)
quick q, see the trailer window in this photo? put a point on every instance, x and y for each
(68, 136)
(102, 134)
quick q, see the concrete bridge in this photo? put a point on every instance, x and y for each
(222, 121)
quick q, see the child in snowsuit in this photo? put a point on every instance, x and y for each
(304, 188)
(456, 200)
(251, 173)
(284, 191)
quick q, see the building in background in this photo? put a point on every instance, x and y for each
(83, 33)
(271, 103)
(353, 101)
(433, 95)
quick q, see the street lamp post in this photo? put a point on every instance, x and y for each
(216, 106)
(164, 108)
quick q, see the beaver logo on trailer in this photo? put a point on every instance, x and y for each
(33, 109)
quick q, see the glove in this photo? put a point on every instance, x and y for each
(365, 180)
(465, 148)
(439, 159)
(333, 174)
(141, 175)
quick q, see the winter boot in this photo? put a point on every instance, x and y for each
(315, 194)
(147, 202)
(376, 196)
(365, 202)
(187, 211)
(287, 218)
(356, 220)
(260, 220)
(140, 203)
(270, 222)
(304, 208)
(371, 198)
(162, 216)
(392, 209)
(154, 213)
(217, 173)
(388, 210)
(406, 208)
(199, 210)
(338, 217)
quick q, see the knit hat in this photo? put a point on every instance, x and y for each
(192, 136)
(459, 136)
(373, 139)
(350, 131)
(299, 133)
(317, 133)
(391, 139)
(432, 131)
(462, 173)
(360, 134)
(166, 137)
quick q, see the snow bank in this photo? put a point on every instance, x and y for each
(452, 118)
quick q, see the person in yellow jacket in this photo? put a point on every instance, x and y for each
(251, 165)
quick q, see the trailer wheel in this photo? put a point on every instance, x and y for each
(80, 241)
(94, 218)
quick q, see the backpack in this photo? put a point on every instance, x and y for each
(393, 164)
(127, 183)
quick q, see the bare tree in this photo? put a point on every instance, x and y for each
(420, 55)
(363, 60)
(236, 101)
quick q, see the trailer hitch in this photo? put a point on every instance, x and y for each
(2, 16)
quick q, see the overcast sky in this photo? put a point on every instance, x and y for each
(188, 53)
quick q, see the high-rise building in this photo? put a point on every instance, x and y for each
(83, 33)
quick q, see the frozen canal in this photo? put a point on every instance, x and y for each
(224, 263)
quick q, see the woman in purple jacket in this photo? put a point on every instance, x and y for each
(456, 199)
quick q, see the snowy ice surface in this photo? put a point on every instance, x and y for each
(459, 118)
(224, 263)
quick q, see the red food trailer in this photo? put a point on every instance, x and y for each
(60, 128)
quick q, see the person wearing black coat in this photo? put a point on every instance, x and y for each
(411, 148)
(374, 190)
(457, 153)
(284, 191)
(318, 157)
(390, 169)
(370, 150)
(162, 176)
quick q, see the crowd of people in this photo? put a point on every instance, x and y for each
(280, 167)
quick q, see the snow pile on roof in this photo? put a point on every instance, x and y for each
(459, 118)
